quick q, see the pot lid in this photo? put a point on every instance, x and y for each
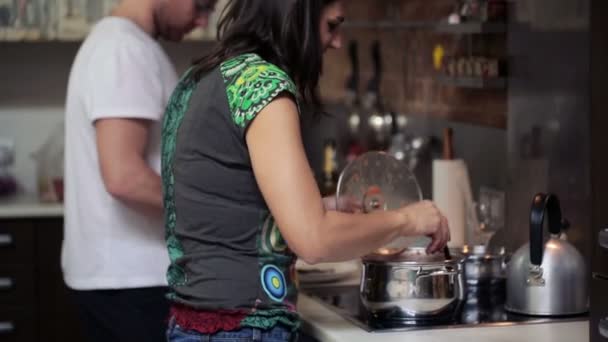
(376, 181)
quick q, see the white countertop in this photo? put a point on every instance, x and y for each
(325, 325)
(26, 206)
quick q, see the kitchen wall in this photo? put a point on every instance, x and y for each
(32, 94)
(35, 75)
(548, 115)
(406, 31)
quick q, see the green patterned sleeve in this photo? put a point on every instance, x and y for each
(252, 86)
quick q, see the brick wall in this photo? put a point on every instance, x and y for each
(408, 83)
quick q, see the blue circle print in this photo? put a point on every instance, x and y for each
(273, 282)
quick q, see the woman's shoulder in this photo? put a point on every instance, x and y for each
(251, 84)
(247, 68)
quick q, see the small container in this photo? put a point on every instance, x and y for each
(49, 166)
(482, 267)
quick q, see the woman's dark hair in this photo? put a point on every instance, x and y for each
(283, 32)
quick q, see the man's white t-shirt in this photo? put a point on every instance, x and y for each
(119, 72)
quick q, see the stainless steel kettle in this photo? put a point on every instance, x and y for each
(549, 278)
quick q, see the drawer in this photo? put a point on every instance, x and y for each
(17, 326)
(17, 243)
(17, 285)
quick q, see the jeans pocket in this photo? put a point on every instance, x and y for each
(279, 334)
(177, 334)
(285, 338)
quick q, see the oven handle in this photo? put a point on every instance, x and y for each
(603, 238)
(603, 327)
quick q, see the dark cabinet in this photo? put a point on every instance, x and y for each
(17, 325)
(598, 324)
(34, 301)
(599, 307)
(59, 320)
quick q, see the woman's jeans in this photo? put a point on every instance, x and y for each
(277, 334)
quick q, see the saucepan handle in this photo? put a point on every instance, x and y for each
(442, 272)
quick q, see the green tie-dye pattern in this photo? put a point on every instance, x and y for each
(176, 108)
(252, 83)
(267, 319)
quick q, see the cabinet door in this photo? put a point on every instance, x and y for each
(17, 279)
(17, 326)
(17, 286)
(16, 242)
(58, 316)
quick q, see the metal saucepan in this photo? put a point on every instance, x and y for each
(412, 284)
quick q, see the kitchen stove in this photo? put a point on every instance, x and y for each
(483, 306)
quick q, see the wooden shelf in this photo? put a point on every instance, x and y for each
(473, 82)
(472, 28)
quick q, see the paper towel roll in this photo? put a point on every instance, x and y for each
(449, 197)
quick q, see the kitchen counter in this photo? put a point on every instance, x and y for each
(25, 206)
(325, 325)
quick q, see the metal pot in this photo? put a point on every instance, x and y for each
(483, 268)
(412, 284)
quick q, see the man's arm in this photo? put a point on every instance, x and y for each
(121, 147)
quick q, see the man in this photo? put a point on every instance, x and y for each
(114, 256)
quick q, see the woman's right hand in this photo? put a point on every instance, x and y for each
(424, 218)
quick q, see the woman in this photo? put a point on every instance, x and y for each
(240, 198)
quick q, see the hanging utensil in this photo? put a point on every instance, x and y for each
(353, 103)
(380, 122)
(352, 90)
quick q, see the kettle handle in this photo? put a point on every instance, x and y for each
(540, 204)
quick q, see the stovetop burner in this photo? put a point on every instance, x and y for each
(481, 306)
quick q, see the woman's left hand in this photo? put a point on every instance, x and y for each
(330, 203)
(349, 205)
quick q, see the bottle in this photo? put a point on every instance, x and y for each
(329, 177)
(8, 182)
